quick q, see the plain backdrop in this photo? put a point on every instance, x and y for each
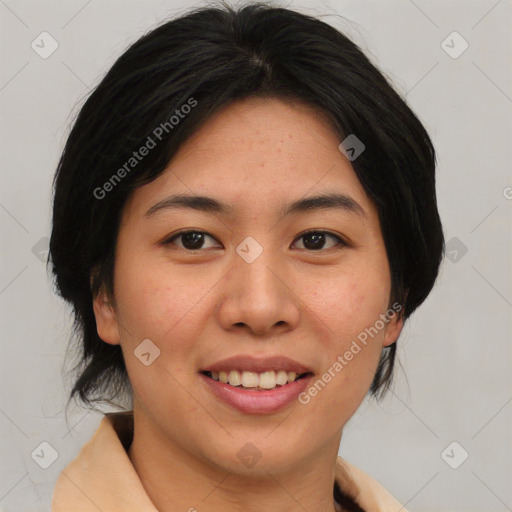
(441, 441)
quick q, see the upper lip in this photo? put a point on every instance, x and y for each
(258, 365)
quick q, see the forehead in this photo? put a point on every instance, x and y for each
(257, 152)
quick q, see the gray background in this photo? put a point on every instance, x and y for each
(455, 350)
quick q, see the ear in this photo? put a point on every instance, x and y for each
(393, 330)
(106, 318)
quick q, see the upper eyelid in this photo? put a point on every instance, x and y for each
(180, 233)
(341, 240)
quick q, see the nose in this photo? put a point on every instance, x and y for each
(258, 296)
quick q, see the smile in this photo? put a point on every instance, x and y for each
(249, 380)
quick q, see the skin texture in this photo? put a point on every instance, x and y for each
(201, 306)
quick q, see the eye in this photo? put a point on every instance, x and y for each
(193, 240)
(190, 240)
(315, 240)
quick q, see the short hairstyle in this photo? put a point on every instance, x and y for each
(207, 59)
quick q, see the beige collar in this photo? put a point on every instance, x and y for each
(103, 478)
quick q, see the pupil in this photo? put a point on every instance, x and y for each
(194, 240)
(317, 238)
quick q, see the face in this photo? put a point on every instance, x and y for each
(256, 273)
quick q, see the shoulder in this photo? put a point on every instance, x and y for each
(102, 475)
(365, 490)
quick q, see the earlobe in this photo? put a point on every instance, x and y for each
(106, 319)
(393, 330)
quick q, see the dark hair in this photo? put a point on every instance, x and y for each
(205, 60)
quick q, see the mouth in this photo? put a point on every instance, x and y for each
(256, 381)
(256, 385)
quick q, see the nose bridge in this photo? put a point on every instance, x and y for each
(257, 295)
(256, 257)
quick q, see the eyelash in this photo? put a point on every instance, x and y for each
(340, 241)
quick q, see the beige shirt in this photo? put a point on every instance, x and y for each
(103, 478)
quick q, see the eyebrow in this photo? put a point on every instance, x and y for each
(210, 205)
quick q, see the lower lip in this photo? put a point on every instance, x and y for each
(257, 402)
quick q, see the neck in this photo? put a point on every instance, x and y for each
(178, 479)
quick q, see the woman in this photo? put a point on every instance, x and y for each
(244, 217)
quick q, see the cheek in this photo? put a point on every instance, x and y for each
(157, 300)
(349, 302)
(347, 309)
(166, 310)
(163, 307)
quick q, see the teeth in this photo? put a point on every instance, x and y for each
(264, 380)
(235, 379)
(281, 377)
(249, 380)
(268, 380)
